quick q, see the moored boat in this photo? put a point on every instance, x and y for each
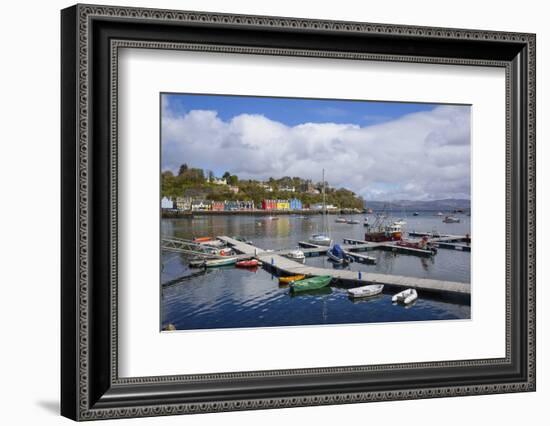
(337, 255)
(308, 284)
(297, 255)
(451, 219)
(400, 222)
(366, 291)
(202, 239)
(213, 263)
(320, 239)
(251, 263)
(416, 214)
(388, 233)
(341, 220)
(352, 221)
(291, 279)
(406, 296)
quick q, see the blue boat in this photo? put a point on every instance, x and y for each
(337, 254)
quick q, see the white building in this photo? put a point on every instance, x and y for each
(166, 203)
(217, 181)
(288, 189)
(266, 187)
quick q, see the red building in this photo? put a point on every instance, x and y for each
(269, 204)
(218, 206)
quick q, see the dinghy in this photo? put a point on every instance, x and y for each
(406, 296)
(314, 283)
(366, 291)
(213, 263)
(291, 279)
(252, 263)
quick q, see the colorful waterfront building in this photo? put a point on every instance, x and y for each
(166, 203)
(269, 204)
(295, 204)
(201, 205)
(246, 205)
(218, 206)
(183, 203)
(283, 205)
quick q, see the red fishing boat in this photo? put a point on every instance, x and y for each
(252, 263)
(386, 233)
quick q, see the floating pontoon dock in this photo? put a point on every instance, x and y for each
(274, 260)
(388, 246)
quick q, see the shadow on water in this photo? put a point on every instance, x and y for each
(318, 292)
(369, 299)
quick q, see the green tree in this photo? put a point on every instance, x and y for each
(233, 180)
(183, 169)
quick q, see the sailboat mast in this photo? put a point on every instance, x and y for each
(325, 228)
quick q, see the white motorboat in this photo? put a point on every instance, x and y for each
(451, 219)
(352, 222)
(406, 296)
(341, 220)
(297, 255)
(366, 291)
(400, 222)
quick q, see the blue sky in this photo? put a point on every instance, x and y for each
(295, 111)
(380, 150)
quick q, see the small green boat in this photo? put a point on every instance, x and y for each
(313, 283)
(220, 262)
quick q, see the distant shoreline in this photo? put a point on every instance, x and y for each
(167, 214)
(175, 214)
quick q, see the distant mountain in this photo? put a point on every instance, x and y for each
(439, 205)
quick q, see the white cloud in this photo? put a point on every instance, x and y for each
(424, 155)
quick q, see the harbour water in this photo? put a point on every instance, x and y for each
(234, 298)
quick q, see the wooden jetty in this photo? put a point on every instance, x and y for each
(388, 246)
(453, 246)
(310, 249)
(275, 261)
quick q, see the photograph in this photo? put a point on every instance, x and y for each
(279, 211)
(270, 208)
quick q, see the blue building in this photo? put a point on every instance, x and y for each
(295, 204)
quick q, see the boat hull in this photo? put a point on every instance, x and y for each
(366, 291)
(247, 263)
(290, 279)
(320, 242)
(378, 237)
(405, 297)
(220, 262)
(309, 284)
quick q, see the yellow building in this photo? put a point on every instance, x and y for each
(283, 205)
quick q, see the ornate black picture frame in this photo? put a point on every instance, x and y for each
(91, 37)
